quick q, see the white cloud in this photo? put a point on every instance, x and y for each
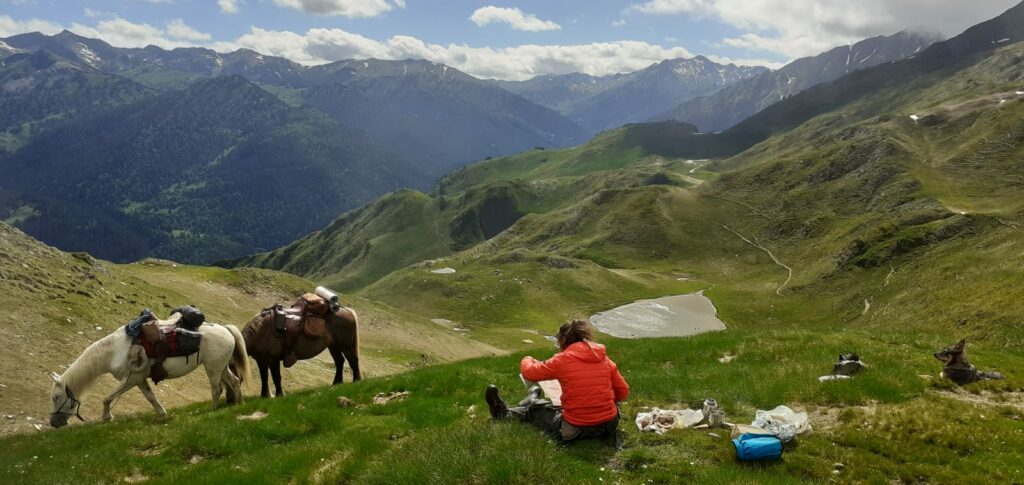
(92, 13)
(123, 33)
(514, 17)
(228, 6)
(319, 46)
(746, 62)
(797, 28)
(9, 26)
(179, 30)
(619, 23)
(346, 8)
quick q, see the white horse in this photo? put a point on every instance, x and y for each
(115, 355)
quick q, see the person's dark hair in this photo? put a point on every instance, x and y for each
(574, 331)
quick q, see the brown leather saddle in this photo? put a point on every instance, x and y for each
(164, 341)
(306, 316)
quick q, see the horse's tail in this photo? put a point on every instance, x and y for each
(239, 357)
(355, 332)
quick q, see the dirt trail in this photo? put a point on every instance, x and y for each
(778, 291)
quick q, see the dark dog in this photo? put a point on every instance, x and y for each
(958, 370)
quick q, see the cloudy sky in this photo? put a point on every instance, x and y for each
(509, 39)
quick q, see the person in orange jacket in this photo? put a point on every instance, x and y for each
(591, 384)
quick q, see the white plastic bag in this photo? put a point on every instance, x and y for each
(660, 421)
(782, 422)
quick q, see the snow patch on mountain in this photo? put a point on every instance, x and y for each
(87, 55)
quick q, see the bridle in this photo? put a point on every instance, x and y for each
(76, 405)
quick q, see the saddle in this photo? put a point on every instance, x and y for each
(162, 341)
(306, 316)
(178, 342)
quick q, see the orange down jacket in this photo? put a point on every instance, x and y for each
(591, 382)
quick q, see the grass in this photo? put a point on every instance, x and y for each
(863, 204)
(888, 423)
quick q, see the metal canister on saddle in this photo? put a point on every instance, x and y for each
(330, 296)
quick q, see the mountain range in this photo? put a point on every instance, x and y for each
(733, 103)
(352, 130)
(599, 103)
(530, 200)
(880, 213)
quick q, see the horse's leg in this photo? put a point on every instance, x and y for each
(125, 384)
(264, 376)
(339, 364)
(148, 392)
(233, 387)
(215, 387)
(275, 371)
(352, 356)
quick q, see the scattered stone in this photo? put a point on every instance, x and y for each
(255, 416)
(471, 411)
(136, 477)
(714, 435)
(99, 327)
(195, 459)
(345, 402)
(38, 427)
(443, 271)
(385, 398)
(527, 341)
(725, 359)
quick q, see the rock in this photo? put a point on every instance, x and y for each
(725, 359)
(255, 416)
(345, 402)
(443, 271)
(471, 411)
(385, 398)
(195, 459)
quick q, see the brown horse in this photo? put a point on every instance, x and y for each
(267, 348)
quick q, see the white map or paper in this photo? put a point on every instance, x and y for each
(552, 389)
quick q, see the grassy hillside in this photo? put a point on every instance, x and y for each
(862, 229)
(57, 303)
(889, 424)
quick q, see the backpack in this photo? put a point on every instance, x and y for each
(757, 447)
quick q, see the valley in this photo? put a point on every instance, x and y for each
(877, 211)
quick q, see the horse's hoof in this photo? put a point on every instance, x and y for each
(107, 417)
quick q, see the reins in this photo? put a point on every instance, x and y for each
(75, 402)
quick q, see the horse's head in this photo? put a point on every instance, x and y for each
(63, 403)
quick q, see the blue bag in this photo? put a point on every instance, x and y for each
(755, 447)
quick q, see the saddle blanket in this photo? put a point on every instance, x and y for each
(178, 343)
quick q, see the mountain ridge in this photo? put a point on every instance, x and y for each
(731, 104)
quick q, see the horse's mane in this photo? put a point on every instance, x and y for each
(252, 328)
(94, 362)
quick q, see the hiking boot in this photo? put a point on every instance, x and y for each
(531, 395)
(497, 407)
